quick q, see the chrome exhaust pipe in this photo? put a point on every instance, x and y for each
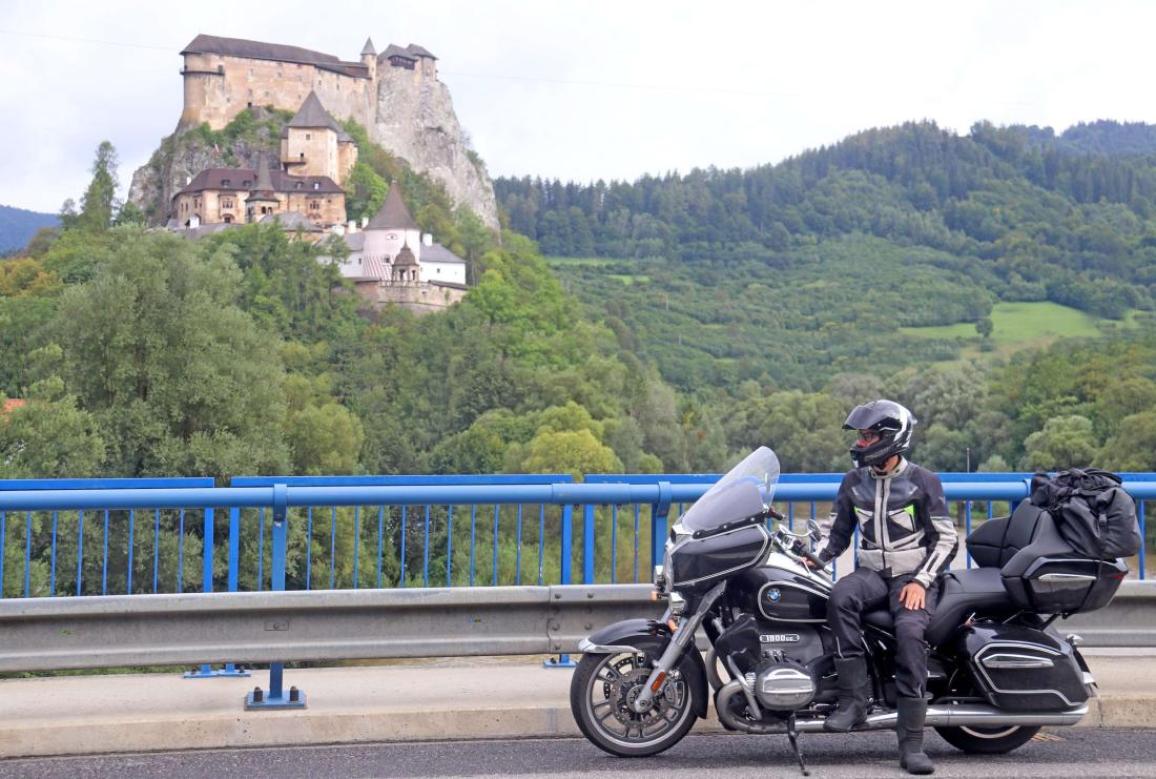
(944, 715)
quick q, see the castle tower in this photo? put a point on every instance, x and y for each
(391, 230)
(313, 144)
(369, 58)
(263, 199)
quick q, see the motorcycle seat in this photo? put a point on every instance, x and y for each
(960, 594)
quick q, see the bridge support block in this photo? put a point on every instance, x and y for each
(207, 671)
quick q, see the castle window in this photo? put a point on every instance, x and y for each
(247, 183)
(226, 202)
(317, 185)
(298, 185)
(314, 205)
(225, 182)
(307, 136)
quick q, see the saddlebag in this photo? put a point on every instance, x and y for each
(1018, 668)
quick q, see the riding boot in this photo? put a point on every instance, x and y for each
(853, 686)
(909, 728)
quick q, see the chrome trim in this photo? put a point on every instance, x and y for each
(786, 681)
(586, 646)
(938, 715)
(1016, 661)
(1065, 577)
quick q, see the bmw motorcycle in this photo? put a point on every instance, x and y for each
(998, 670)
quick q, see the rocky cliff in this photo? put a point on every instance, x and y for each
(416, 121)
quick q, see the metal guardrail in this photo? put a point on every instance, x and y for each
(65, 633)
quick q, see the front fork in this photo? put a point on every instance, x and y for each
(682, 637)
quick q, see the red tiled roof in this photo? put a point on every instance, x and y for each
(11, 404)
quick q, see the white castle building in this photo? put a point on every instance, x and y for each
(391, 261)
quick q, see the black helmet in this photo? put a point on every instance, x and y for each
(892, 421)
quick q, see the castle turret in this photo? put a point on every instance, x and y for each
(406, 269)
(369, 58)
(262, 199)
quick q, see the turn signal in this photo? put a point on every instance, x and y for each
(658, 681)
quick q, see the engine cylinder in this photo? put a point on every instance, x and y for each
(784, 686)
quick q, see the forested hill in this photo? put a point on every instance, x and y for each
(17, 226)
(1102, 137)
(1026, 214)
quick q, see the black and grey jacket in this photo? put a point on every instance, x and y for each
(903, 522)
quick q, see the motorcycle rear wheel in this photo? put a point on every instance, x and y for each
(988, 741)
(601, 691)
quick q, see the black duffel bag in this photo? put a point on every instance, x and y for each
(1091, 510)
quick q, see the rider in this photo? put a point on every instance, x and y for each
(907, 540)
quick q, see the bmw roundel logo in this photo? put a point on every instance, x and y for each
(774, 595)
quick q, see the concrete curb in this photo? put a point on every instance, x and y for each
(110, 714)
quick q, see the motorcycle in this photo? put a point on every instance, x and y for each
(998, 670)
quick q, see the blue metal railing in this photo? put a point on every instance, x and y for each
(417, 523)
(121, 543)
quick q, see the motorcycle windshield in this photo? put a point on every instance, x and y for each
(745, 490)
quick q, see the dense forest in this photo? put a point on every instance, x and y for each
(137, 352)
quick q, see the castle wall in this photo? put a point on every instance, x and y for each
(419, 298)
(322, 208)
(211, 207)
(387, 243)
(217, 88)
(346, 159)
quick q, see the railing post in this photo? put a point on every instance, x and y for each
(588, 544)
(276, 698)
(566, 573)
(658, 525)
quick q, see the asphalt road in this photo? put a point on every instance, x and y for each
(1075, 752)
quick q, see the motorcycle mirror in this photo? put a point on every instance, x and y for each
(814, 531)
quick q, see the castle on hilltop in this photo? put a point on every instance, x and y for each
(224, 76)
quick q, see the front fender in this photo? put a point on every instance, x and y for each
(649, 637)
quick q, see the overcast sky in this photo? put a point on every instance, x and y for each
(587, 90)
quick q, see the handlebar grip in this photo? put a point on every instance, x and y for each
(813, 558)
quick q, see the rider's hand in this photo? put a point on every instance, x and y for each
(913, 596)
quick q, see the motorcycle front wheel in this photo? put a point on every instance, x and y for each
(604, 686)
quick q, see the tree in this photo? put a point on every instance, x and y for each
(49, 439)
(575, 452)
(180, 380)
(1065, 442)
(98, 207)
(1133, 448)
(324, 439)
(985, 327)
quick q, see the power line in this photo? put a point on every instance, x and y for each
(21, 34)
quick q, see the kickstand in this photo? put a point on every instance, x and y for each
(793, 736)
